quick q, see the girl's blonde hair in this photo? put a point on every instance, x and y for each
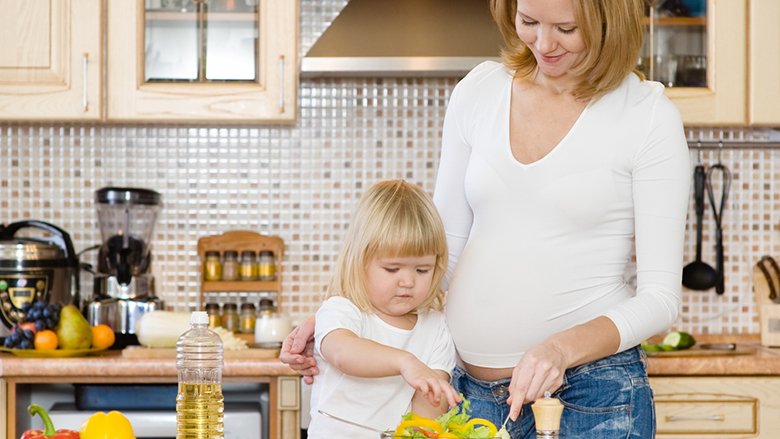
(611, 29)
(393, 218)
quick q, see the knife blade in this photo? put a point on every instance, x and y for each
(352, 423)
(718, 346)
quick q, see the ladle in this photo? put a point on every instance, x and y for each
(698, 275)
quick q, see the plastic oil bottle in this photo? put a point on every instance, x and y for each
(199, 402)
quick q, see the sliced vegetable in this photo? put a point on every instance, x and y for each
(455, 424)
(678, 340)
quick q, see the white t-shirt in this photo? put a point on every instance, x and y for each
(376, 402)
(542, 247)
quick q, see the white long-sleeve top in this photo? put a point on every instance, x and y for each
(538, 248)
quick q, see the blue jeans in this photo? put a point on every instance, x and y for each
(608, 398)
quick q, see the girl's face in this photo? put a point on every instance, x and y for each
(397, 286)
(549, 29)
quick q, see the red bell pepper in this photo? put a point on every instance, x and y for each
(48, 427)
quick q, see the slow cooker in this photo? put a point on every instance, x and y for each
(31, 269)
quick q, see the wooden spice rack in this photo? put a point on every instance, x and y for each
(240, 240)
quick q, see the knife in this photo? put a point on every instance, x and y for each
(347, 421)
(718, 346)
(774, 294)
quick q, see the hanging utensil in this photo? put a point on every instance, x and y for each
(717, 213)
(698, 275)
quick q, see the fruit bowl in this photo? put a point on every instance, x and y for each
(56, 353)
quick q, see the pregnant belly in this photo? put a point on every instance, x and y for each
(487, 373)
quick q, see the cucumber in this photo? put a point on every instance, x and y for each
(651, 347)
(677, 341)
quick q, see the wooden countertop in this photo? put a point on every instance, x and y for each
(765, 361)
(112, 365)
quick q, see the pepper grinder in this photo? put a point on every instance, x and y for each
(547, 412)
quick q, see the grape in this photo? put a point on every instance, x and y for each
(40, 325)
(47, 312)
(8, 342)
(25, 344)
(28, 335)
(26, 306)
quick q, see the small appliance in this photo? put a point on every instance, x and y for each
(124, 286)
(35, 268)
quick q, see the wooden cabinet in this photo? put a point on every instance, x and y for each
(50, 60)
(723, 100)
(135, 94)
(717, 407)
(764, 68)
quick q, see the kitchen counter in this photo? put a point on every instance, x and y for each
(17, 373)
(764, 361)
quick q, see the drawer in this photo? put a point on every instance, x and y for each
(706, 414)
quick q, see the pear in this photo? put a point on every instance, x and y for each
(73, 330)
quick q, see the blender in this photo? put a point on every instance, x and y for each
(124, 286)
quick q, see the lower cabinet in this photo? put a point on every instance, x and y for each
(717, 407)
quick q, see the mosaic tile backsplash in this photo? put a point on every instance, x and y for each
(300, 182)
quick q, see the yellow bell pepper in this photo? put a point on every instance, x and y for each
(484, 422)
(113, 425)
(426, 423)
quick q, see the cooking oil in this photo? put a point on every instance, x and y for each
(199, 411)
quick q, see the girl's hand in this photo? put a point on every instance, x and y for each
(298, 351)
(540, 370)
(433, 384)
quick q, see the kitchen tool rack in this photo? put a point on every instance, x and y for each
(240, 240)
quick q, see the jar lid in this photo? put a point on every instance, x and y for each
(266, 253)
(230, 253)
(212, 306)
(248, 253)
(212, 253)
(247, 306)
(127, 195)
(229, 306)
(266, 304)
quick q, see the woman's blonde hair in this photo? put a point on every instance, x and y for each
(393, 218)
(611, 29)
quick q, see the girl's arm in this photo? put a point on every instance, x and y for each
(363, 358)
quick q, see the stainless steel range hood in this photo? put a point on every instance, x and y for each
(405, 38)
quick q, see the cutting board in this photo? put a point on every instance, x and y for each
(699, 352)
(144, 352)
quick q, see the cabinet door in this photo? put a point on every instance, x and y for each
(217, 68)
(717, 407)
(50, 59)
(764, 62)
(722, 100)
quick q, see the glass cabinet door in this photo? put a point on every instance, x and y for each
(200, 40)
(698, 50)
(675, 50)
(202, 60)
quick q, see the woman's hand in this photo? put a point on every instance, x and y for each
(540, 370)
(433, 384)
(298, 351)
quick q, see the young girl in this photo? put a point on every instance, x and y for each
(381, 342)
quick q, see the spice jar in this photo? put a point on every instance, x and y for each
(215, 320)
(212, 267)
(266, 268)
(230, 265)
(248, 269)
(271, 326)
(230, 317)
(247, 318)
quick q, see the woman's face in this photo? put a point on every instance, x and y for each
(399, 285)
(549, 29)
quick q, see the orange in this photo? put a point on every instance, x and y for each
(102, 337)
(45, 340)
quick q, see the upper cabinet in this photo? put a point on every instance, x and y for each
(50, 60)
(202, 60)
(764, 62)
(698, 49)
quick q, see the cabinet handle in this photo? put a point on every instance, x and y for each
(85, 80)
(281, 84)
(714, 418)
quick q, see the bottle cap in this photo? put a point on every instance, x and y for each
(199, 318)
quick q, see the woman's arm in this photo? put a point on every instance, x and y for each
(364, 358)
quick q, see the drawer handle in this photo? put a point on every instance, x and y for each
(85, 81)
(714, 418)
